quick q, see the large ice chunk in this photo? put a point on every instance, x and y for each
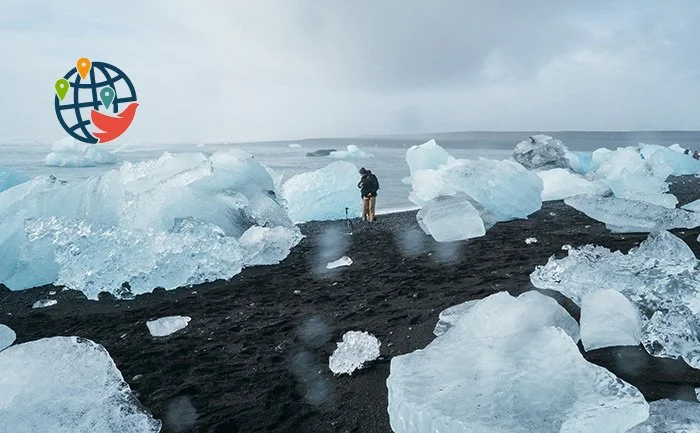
(680, 163)
(671, 416)
(167, 325)
(450, 218)
(504, 188)
(505, 366)
(175, 220)
(353, 352)
(7, 336)
(661, 277)
(560, 183)
(630, 216)
(324, 194)
(609, 319)
(10, 178)
(70, 152)
(67, 385)
(352, 152)
(427, 156)
(541, 152)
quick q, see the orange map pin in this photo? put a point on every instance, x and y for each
(83, 66)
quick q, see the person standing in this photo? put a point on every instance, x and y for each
(369, 185)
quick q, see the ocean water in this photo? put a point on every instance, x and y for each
(388, 161)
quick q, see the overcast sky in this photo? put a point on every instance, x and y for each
(261, 70)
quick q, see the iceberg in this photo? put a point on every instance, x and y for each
(427, 156)
(352, 152)
(609, 319)
(167, 325)
(560, 183)
(343, 261)
(541, 152)
(631, 216)
(660, 277)
(353, 352)
(7, 337)
(70, 152)
(67, 385)
(324, 194)
(10, 178)
(506, 366)
(450, 218)
(173, 221)
(671, 416)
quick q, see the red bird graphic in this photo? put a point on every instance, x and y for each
(113, 126)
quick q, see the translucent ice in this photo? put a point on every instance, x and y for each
(450, 218)
(693, 206)
(352, 152)
(70, 152)
(43, 303)
(541, 152)
(67, 385)
(268, 245)
(427, 156)
(151, 218)
(504, 188)
(671, 416)
(353, 352)
(630, 216)
(7, 336)
(324, 194)
(167, 325)
(506, 366)
(560, 183)
(448, 317)
(10, 178)
(343, 261)
(609, 319)
(661, 277)
(680, 163)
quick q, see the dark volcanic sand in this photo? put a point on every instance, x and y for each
(255, 355)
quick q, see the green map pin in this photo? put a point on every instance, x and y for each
(107, 96)
(62, 85)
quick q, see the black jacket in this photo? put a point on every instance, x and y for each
(369, 184)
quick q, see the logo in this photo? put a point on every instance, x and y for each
(95, 102)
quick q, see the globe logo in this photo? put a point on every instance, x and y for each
(89, 99)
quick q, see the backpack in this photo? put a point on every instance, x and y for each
(375, 182)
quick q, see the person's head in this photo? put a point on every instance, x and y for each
(363, 171)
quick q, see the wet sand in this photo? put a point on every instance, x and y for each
(254, 358)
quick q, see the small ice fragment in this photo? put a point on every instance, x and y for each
(609, 319)
(343, 261)
(167, 325)
(7, 336)
(52, 293)
(531, 241)
(294, 145)
(43, 303)
(351, 354)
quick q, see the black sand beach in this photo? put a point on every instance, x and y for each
(254, 358)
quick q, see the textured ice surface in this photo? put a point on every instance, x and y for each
(661, 277)
(70, 152)
(671, 416)
(450, 218)
(448, 317)
(680, 163)
(10, 178)
(324, 194)
(630, 216)
(609, 319)
(581, 162)
(352, 152)
(43, 303)
(560, 183)
(7, 336)
(353, 352)
(504, 188)
(505, 366)
(427, 156)
(268, 245)
(541, 152)
(180, 215)
(343, 261)
(693, 206)
(67, 385)
(167, 325)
